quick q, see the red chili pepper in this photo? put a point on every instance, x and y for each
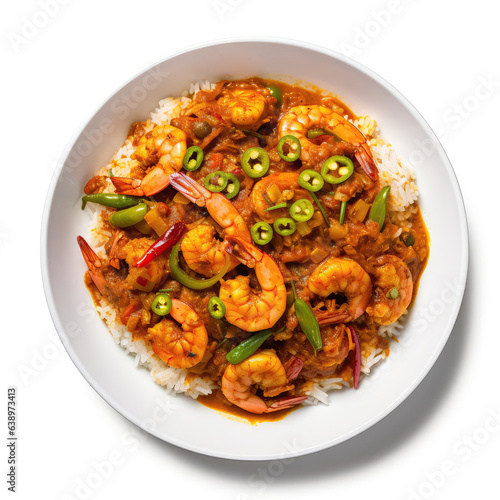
(127, 312)
(141, 280)
(356, 359)
(168, 240)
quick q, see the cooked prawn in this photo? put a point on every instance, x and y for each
(300, 119)
(265, 371)
(162, 149)
(344, 276)
(181, 347)
(244, 106)
(218, 206)
(203, 252)
(392, 291)
(248, 309)
(285, 181)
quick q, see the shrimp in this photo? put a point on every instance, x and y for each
(391, 278)
(111, 290)
(245, 106)
(263, 369)
(300, 119)
(345, 276)
(284, 181)
(218, 206)
(162, 149)
(203, 253)
(245, 308)
(179, 347)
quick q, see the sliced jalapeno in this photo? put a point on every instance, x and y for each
(276, 92)
(232, 187)
(311, 180)
(285, 226)
(289, 148)
(302, 210)
(216, 308)
(129, 216)
(193, 158)
(216, 181)
(255, 162)
(262, 233)
(162, 304)
(337, 169)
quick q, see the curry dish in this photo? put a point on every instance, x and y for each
(258, 240)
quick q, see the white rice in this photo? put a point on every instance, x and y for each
(393, 171)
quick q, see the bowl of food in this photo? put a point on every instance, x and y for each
(222, 232)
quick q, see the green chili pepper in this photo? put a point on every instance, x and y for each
(129, 216)
(311, 180)
(316, 132)
(285, 226)
(193, 158)
(341, 166)
(247, 347)
(276, 92)
(162, 304)
(182, 277)
(321, 209)
(216, 308)
(262, 233)
(232, 187)
(308, 322)
(293, 148)
(409, 240)
(255, 162)
(111, 174)
(377, 212)
(216, 181)
(393, 293)
(111, 200)
(302, 210)
(343, 207)
(275, 207)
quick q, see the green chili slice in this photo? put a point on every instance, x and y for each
(316, 132)
(302, 210)
(377, 212)
(162, 304)
(337, 169)
(311, 180)
(343, 207)
(275, 207)
(307, 322)
(247, 347)
(111, 200)
(216, 308)
(182, 277)
(321, 209)
(216, 181)
(193, 158)
(276, 92)
(289, 148)
(262, 233)
(285, 226)
(255, 162)
(232, 187)
(129, 216)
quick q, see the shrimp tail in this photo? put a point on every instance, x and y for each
(365, 159)
(193, 191)
(125, 185)
(93, 263)
(286, 403)
(293, 367)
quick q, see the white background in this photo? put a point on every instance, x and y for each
(438, 54)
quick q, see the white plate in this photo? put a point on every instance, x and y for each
(190, 425)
